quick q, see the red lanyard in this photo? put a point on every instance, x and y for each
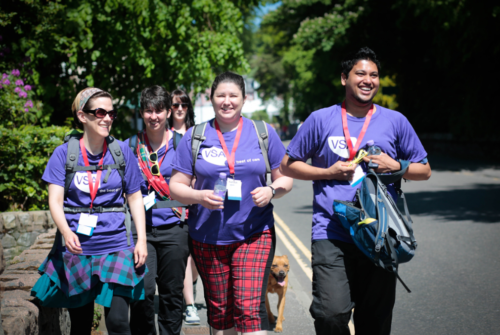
(151, 149)
(93, 188)
(230, 158)
(353, 151)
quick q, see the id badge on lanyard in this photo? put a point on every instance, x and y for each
(359, 174)
(88, 222)
(234, 189)
(233, 185)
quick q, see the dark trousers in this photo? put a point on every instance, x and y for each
(168, 251)
(116, 317)
(343, 279)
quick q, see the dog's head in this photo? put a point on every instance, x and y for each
(280, 268)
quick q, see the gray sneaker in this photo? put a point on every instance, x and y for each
(192, 317)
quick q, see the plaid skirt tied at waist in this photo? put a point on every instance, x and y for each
(70, 281)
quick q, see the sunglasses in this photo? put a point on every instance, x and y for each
(101, 113)
(155, 168)
(183, 105)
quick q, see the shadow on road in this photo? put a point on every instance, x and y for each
(306, 209)
(447, 163)
(479, 204)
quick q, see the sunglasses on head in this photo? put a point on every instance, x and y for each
(155, 168)
(183, 105)
(101, 113)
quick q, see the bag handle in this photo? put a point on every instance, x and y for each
(396, 176)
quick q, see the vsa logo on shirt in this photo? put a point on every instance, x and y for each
(214, 155)
(339, 146)
(82, 181)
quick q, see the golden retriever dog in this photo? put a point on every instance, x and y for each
(278, 283)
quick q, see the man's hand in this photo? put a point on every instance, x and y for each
(385, 163)
(341, 171)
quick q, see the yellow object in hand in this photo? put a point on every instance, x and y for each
(362, 153)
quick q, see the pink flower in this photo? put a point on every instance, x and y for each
(5, 75)
(17, 90)
(26, 110)
(23, 94)
(29, 103)
(19, 82)
(6, 82)
(27, 88)
(16, 72)
(1, 86)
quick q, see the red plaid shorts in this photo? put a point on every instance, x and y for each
(235, 279)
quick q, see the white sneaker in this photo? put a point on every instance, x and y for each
(192, 317)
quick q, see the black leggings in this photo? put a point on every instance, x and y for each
(116, 317)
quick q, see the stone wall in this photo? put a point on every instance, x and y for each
(19, 230)
(20, 314)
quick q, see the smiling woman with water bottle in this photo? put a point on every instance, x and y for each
(232, 239)
(95, 260)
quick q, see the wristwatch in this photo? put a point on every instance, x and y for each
(274, 191)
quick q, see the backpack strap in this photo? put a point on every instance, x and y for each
(197, 137)
(117, 154)
(177, 139)
(263, 136)
(71, 160)
(132, 143)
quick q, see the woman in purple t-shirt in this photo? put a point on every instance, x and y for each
(97, 260)
(232, 239)
(166, 231)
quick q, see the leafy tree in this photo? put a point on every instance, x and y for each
(121, 46)
(433, 55)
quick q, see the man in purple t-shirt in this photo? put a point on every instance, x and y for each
(343, 277)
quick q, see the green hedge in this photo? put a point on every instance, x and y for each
(24, 153)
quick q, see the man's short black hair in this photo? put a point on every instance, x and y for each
(156, 98)
(362, 54)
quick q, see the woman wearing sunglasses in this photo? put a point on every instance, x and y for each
(167, 235)
(97, 262)
(232, 239)
(182, 116)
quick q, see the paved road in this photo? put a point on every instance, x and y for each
(454, 277)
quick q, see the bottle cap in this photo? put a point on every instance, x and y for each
(370, 143)
(222, 175)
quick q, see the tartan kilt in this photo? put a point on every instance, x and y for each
(71, 281)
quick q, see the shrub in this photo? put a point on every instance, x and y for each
(24, 154)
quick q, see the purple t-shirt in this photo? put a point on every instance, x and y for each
(239, 219)
(321, 138)
(110, 233)
(160, 216)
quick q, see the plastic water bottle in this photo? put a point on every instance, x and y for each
(220, 186)
(373, 150)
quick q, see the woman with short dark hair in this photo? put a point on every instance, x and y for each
(166, 231)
